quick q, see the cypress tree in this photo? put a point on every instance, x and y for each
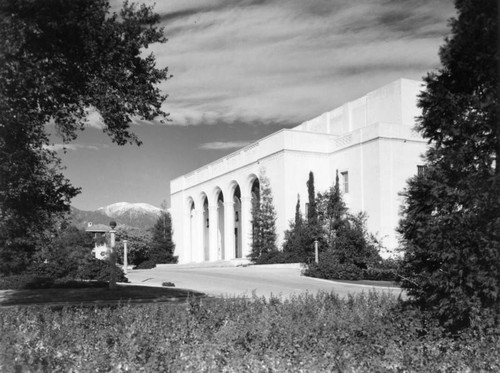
(335, 210)
(298, 213)
(312, 213)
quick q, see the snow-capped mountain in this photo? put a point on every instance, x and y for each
(139, 215)
(120, 208)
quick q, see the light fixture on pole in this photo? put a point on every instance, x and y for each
(316, 253)
(112, 256)
(125, 261)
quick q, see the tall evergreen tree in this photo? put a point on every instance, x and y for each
(296, 238)
(162, 247)
(298, 213)
(312, 213)
(451, 223)
(335, 211)
(264, 221)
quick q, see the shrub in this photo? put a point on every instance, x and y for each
(380, 274)
(100, 270)
(25, 281)
(33, 281)
(147, 264)
(330, 269)
(306, 333)
(168, 283)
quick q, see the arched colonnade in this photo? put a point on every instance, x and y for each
(219, 220)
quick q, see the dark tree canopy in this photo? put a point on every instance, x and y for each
(60, 60)
(451, 221)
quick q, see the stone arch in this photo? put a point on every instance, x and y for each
(249, 182)
(255, 200)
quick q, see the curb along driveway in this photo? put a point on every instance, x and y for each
(259, 280)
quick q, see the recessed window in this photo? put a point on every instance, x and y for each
(345, 181)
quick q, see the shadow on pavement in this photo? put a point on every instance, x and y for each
(123, 294)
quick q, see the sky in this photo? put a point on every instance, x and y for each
(243, 69)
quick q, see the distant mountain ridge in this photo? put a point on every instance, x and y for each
(139, 215)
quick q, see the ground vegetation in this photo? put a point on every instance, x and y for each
(306, 333)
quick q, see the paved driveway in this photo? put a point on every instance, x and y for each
(262, 280)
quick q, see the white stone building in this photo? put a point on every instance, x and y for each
(370, 141)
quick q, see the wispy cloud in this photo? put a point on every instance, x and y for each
(65, 147)
(268, 61)
(224, 145)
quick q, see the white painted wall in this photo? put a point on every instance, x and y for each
(371, 138)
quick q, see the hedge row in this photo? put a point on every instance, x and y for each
(332, 270)
(43, 276)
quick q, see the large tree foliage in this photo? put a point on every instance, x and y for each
(59, 61)
(451, 223)
(264, 222)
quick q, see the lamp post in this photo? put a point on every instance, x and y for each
(112, 256)
(316, 254)
(125, 261)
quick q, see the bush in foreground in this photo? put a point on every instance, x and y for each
(322, 333)
(147, 264)
(330, 268)
(99, 270)
(94, 270)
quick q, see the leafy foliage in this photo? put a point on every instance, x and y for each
(331, 211)
(330, 268)
(264, 222)
(451, 223)
(69, 258)
(138, 245)
(59, 62)
(146, 264)
(322, 333)
(67, 252)
(99, 270)
(162, 247)
(352, 251)
(347, 250)
(297, 241)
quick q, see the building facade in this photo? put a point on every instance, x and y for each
(370, 141)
